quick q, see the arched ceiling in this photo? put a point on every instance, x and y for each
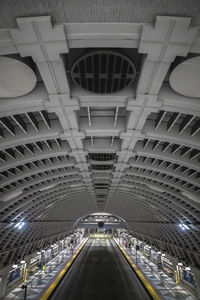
(66, 152)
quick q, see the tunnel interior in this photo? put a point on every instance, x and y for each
(99, 125)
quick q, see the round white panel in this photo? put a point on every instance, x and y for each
(16, 78)
(185, 78)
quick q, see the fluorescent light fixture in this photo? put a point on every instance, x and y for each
(155, 188)
(19, 225)
(61, 197)
(162, 218)
(183, 226)
(75, 185)
(49, 205)
(47, 187)
(12, 195)
(190, 196)
(140, 197)
(154, 207)
(39, 216)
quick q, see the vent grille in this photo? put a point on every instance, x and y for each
(101, 167)
(101, 186)
(102, 156)
(103, 72)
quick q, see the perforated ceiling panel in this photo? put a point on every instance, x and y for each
(102, 156)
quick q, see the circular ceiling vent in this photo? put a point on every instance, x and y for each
(103, 72)
(101, 224)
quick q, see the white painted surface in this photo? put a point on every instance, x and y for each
(16, 78)
(185, 78)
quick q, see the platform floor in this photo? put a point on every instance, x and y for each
(100, 272)
(40, 281)
(165, 287)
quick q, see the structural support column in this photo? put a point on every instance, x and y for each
(197, 280)
(4, 280)
(46, 44)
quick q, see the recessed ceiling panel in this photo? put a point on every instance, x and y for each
(16, 78)
(103, 72)
(184, 79)
(102, 156)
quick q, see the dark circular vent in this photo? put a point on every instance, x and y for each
(103, 72)
(101, 224)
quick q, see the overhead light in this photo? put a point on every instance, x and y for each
(154, 207)
(47, 187)
(155, 188)
(61, 197)
(39, 216)
(140, 197)
(49, 205)
(75, 184)
(183, 226)
(19, 225)
(190, 196)
(12, 195)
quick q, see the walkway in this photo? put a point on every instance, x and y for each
(100, 272)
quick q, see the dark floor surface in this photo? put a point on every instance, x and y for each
(100, 273)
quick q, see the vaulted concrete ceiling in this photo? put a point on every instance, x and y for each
(84, 139)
